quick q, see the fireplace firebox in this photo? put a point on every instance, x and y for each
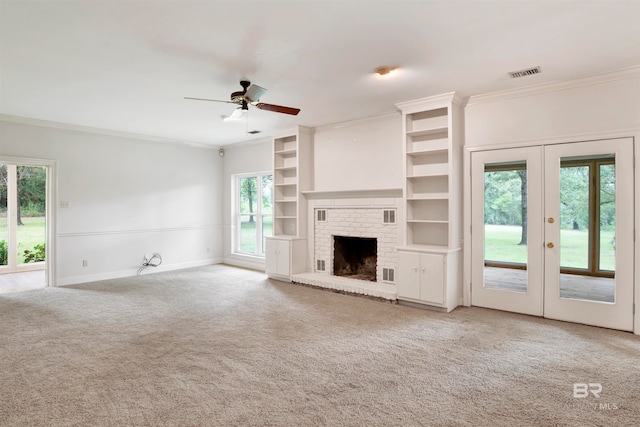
(355, 257)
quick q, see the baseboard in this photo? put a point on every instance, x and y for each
(245, 262)
(133, 272)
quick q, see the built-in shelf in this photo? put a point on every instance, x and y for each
(425, 132)
(428, 221)
(292, 166)
(431, 196)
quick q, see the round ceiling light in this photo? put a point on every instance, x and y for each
(385, 70)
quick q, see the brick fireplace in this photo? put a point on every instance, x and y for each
(363, 224)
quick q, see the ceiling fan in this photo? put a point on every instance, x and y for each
(250, 94)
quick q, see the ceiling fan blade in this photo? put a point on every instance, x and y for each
(212, 100)
(278, 108)
(254, 92)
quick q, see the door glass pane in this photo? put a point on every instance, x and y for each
(587, 211)
(574, 217)
(4, 231)
(31, 182)
(607, 217)
(505, 229)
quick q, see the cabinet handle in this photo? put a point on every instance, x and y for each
(423, 270)
(415, 268)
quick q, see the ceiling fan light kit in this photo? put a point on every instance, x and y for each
(250, 94)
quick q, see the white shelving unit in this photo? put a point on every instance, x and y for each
(432, 151)
(292, 174)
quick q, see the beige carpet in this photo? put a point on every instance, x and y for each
(219, 346)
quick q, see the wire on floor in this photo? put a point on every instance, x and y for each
(150, 262)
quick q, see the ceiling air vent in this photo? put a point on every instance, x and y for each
(523, 73)
(253, 132)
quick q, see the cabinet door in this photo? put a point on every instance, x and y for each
(283, 257)
(271, 256)
(432, 278)
(409, 275)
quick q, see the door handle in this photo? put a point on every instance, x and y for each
(551, 220)
(550, 245)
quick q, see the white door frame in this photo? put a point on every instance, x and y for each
(584, 137)
(531, 301)
(51, 197)
(616, 315)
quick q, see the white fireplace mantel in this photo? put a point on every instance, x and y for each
(353, 194)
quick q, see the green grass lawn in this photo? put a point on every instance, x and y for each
(30, 234)
(501, 244)
(248, 234)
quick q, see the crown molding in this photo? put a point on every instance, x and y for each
(429, 102)
(355, 122)
(100, 131)
(626, 73)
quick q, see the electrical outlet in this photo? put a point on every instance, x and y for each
(64, 204)
(85, 263)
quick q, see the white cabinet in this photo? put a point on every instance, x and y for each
(421, 277)
(284, 257)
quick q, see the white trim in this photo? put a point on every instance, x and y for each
(101, 131)
(355, 122)
(246, 261)
(50, 217)
(235, 213)
(565, 139)
(626, 73)
(352, 194)
(148, 230)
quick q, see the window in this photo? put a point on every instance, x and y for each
(253, 213)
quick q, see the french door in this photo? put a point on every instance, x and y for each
(552, 231)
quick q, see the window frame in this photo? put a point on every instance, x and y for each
(237, 215)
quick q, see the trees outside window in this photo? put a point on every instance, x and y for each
(253, 213)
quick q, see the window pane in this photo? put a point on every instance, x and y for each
(267, 194)
(31, 234)
(4, 231)
(574, 216)
(248, 195)
(505, 239)
(247, 234)
(607, 217)
(505, 230)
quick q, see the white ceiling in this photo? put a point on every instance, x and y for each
(126, 65)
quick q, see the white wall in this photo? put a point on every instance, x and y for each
(251, 157)
(360, 155)
(591, 105)
(127, 197)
